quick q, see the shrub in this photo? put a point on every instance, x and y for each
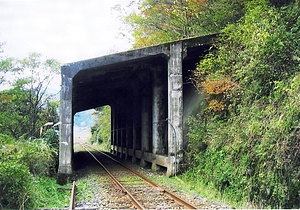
(51, 138)
(14, 185)
(38, 156)
(20, 161)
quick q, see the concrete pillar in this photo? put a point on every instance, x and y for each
(145, 122)
(128, 127)
(112, 125)
(122, 140)
(116, 129)
(158, 115)
(65, 168)
(119, 134)
(135, 120)
(175, 107)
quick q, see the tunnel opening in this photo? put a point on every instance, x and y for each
(93, 126)
(83, 122)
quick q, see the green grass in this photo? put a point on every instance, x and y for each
(48, 194)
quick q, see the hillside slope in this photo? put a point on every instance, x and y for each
(246, 142)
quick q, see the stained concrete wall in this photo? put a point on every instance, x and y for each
(146, 89)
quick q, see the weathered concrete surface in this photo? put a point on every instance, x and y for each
(150, 97)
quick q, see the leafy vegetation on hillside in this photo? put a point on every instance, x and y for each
(246, 141)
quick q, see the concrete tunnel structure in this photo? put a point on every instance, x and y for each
(150, 96)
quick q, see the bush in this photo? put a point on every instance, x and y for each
(51, 138)
(20, 162)
(15, 182)
(38, 156)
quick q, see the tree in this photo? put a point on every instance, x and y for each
(26, 106)
(253, 54)
(163, 21)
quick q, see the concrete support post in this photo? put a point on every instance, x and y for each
(145, 123)
(122, 128)
(128, 128)
(175, 107)
(135, 120)
(119, 134)
(112, 125)
(115, 130)
(65, 168)
(158, 115)
(121, 131)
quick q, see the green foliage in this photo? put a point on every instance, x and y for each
(20, 163)
(36, 155)
(46, 193)
(248, 150)
(252, 156)
(7, 65)
(101, 129)
(163, 21)
(25, 107)
(38, 164)
(14, 185)
(52, 139)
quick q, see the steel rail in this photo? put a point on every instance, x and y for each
(73, 194)
(163, 190)
(119, 185)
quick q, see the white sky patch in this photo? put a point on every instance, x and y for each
(65, 30)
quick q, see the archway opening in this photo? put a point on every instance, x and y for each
(92, 126)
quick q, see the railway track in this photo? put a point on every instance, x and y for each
(132, 190)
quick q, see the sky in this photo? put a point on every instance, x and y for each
(65, 30)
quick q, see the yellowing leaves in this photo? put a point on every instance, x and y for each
(216, 86)
(216, 106)
(217, 89)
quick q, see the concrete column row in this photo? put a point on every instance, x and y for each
(139, 118)
(143, 115)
